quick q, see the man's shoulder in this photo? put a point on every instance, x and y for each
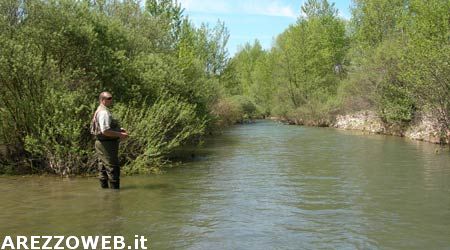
(103, 113)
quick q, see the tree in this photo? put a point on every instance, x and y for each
(426, 69)
(170, 14)
(245, 62)
(377, 20)
(308, 53)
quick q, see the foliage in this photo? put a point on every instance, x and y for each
(234, 109)
(298, 75)
(173, 81)
(426, 67)
(391, 57)
(57, 56)
(57, 139)
(157, 130)
(402, 49)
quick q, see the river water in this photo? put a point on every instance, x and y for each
(258, 186)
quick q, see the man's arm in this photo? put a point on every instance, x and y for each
(111, 133)
(104, 122)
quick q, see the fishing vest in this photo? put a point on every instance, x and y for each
(95, 125)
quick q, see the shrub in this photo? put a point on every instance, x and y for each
(57, 139)
(157, 130)
(225, 112)
(234, 109)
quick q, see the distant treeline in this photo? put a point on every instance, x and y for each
(392, 57)
(173, 82)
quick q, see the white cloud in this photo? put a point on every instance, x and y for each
(251, 7)
(268, 8)
(206, 6)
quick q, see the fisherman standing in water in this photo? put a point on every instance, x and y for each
(107, 133)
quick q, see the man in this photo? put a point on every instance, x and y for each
(108, 133)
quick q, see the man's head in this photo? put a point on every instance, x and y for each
(105, 98)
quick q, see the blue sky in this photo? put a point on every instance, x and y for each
(248, 20)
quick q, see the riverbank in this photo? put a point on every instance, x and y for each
(422, 128)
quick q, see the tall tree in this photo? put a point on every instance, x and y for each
(310, 50)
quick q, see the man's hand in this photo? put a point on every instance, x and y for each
(123, 135)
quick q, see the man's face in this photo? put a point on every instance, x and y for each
(108, 101)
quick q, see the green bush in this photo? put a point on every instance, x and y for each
(155, 131)
(59, 135)
(245, 107)
(234, 109)
(225, 112)
(57, 56)
(320, 110)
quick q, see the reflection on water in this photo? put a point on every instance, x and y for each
(260, 186)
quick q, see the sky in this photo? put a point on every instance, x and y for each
(247, 20)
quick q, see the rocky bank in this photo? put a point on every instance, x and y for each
(423, 127)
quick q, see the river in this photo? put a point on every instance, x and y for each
(257, 186)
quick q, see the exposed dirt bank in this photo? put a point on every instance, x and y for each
(423, 128)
